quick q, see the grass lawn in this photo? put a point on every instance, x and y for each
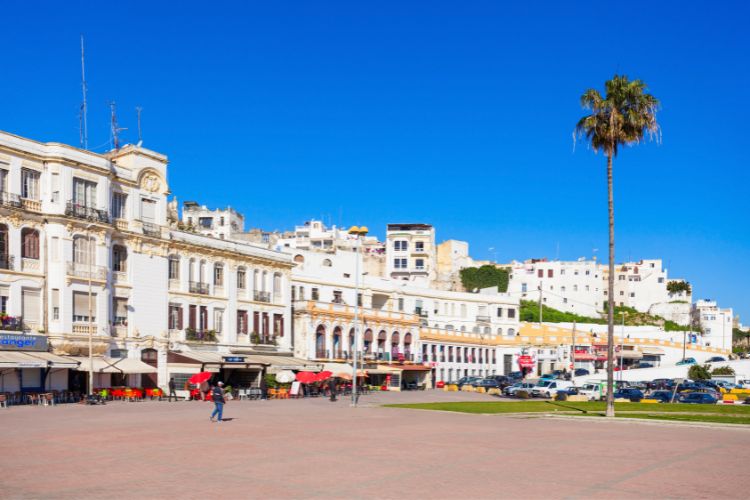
(739, 414)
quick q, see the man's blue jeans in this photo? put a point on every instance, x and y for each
(218, 410)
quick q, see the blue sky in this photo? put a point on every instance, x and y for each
(459, 114)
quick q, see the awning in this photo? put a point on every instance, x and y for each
(629, 354)
(415, 368)
(56, 361)
(276, 364)
(15, 359)
(101, 364)
(652, 351)
(130, 365)
(383, 370)
(214, 361)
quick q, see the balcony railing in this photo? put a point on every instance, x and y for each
(122, 224)
(200, 335)
(321, 354)
(29, 264)
(10, 200)
(80, 211)
(11, 323)
(199, 288)
(6, 262)
(81, 270)
(31, 205)
(151, 229)
(483, 319)
(262, 296)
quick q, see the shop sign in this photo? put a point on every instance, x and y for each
(233, 359)
(525, 361)
(21, 342)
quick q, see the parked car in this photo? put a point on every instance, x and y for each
(467, 381)
(547, 376)
(661, 396)
(716, 359)
(698, 398)
(661, 383)
(522, 386)
(487, 383)
(502, 380)
(593, 392)
(644, 364)
(686, 361)
(549, 388)
(630, 393)
(581, 372)
(515, 376)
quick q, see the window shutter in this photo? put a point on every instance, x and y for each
(179, 318)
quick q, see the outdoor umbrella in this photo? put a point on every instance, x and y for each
(285, 376)
(307, 377)
(199, 378)
(323, 375)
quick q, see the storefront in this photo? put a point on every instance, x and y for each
(236, 370)
(108, 372)
(26, 366)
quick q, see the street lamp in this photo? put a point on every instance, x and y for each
(357, 232)
(90, 257)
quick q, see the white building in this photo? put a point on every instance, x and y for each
(81, 232)
(411, 253)
(715, 322)
(220, 223)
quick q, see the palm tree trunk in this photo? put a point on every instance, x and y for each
(611, 294)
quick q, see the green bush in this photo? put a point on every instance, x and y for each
(698, 372)
(484, 277)
(678, 286)
(723, 370)
(522, 394)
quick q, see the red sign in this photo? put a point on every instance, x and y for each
(525, 361)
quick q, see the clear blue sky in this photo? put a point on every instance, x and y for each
(442, 112)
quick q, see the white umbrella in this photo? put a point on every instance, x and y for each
(286, 376)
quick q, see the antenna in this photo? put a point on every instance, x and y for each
(138, 110)
(83, 125)
(115, 129)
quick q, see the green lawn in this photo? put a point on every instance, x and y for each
(705, 413)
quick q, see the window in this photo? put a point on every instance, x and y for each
(4, 298)
(218, 275)
(499, 312)
(218, 320)
(419, 264)
(55, 183)
(315, 294)
(55, 304)
(55, 248)
(174, 267)
(661, 280)
(550, 273)
(119, 202)
(399, 263)
(119, 258)
(621, 277)
(327, 263)
(221, 221)
(241, 279)
(575, 288)
(302, 293)
(206, 222)
(400, 304)
(463, 310)
(622, 293)
(241, 321)
(175, 317)
(84, 193)
(148, 210)
(511, 313)
(359, 299)
(524, 287)
(4, 177)
(588, 272)
(587, 288)
(419, 246)
(337, 297)
(540, 273)
(81, 306)
(82, 250)
(278, 325)
(400, 245)
(30, 304)
(120, 309)
(29, 243)
(562, 272)
(632, 294)
(562, 289)
(29, 184)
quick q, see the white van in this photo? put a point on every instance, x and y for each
(593, 392)
(549, 388)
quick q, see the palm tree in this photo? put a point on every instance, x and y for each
(624, 116)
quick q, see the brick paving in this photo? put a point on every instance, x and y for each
(315, 448)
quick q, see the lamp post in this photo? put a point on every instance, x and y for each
(357, 232)
(90, 257)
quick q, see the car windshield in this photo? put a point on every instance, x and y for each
(544, 383)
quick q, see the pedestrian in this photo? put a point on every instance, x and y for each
(263, 389)
(332, 386)
(171, 390)
(204, 388)
(217, 396)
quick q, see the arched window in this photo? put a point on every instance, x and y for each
(499, 331)
(327, 263)
(119, 258)
(277, 285)
(218, 274)
(320, 342)
(511, 331)
(241, 278)
(29, 243)
(337, 342)
(264, 281)
(256, 280)
(174, 267)
(191, 271)
(299, 259)
(202, 272)
(82, 250)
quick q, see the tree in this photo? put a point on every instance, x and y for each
(698, 372)
(678, 286)
(624, 116)
(723, 370)
(483, 277)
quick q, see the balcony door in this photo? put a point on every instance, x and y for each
(84, 193)
(148, 210)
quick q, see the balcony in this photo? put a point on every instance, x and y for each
(151, 229)
(6, 262)
(10, 200)
(86, 271)
(199, 288)
(11, 323)
(483, 319)
(122, 224)
(193, 335)
(422, 313)
(120, 276)
(321, 354)
(80, 211)
(174, 284)
(262, 296)
(83, 328)
(31, 205)
(31, 265)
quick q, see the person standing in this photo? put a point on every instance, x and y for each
(263, 389)
(332, 386)
(217, 396)
(171, 390)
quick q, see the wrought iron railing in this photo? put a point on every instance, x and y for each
(198, 287)
(262, 296)
(81, 211)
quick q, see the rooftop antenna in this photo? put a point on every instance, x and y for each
(84, 131)
(115, 128)
(138, 110)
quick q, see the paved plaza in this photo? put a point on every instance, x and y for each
(315, 448)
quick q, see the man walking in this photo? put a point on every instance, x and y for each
(171, 390)
(217, 396)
